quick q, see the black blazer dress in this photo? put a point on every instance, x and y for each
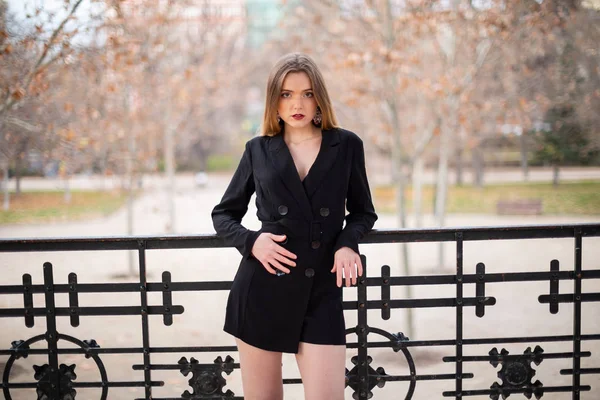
(274, 312)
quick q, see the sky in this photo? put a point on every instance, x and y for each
(21, 8)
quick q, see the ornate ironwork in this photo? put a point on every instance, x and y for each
(20, 349)
(54, 380)
(374, 378)
(46, 386)
(207, 379)
(516, 373)
(89, 345)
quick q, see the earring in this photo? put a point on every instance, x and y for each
(318, 117)
(278, 117)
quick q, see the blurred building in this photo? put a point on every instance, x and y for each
(592, 4)
(262, 19)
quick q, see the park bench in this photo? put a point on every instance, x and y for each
(519, 207)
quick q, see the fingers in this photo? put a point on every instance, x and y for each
(355, 268)
(268, 268)
(272, 256)
(277, 238)
(278, 265)
(282, 250)
(284, 260)
(359, 265)
(271, 262)
(285, 252)
(347, 263)
(347, 272)
(273, 265)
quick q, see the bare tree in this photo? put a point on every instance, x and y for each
(25, 60)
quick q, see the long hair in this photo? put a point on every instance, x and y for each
(295, 62)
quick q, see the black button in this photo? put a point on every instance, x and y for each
(283, 210)
(315, 244)
(309, 273)
(324, 211)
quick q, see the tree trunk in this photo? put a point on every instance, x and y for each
(202, 154)
(6, 188)
(417, 186)
(555, 174)
(170, 171)
(18, 175)
(459, 165)
(397, 159)
(447, 40)
(442, 187)
(401, 208)
(130, 179)
(478, 167)
(129, 171)
(67, 194)
(65, 174)
(524, 161)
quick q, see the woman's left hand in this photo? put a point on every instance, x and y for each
(347, 264)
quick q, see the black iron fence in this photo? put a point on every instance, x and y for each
(55, 380)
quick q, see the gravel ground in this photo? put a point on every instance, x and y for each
(517, 311)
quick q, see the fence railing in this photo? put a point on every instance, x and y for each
(55, 380)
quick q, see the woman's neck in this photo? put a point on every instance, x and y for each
(296, 135)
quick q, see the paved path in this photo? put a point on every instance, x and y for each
(517, 312)
(156, 181)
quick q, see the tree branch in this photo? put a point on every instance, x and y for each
(425, 140)
(23, 124)
(12, 101)
(481, 56)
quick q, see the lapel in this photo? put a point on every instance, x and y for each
(324, 161)
(284, 164)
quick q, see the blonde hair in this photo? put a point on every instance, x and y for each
(295, 62)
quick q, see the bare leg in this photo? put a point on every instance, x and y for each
(261, 372)
(322, 370)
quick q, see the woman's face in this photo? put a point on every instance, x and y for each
(297, 103)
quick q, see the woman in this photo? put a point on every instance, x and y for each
(287, 293)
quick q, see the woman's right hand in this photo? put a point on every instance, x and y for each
(271, 255)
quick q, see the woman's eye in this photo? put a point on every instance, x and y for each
(285, 95)
(309, 95)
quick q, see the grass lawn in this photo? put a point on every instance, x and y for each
(47, 206)
(569, 198)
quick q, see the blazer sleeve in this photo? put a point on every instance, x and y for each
(361, 214)
(227, 215)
